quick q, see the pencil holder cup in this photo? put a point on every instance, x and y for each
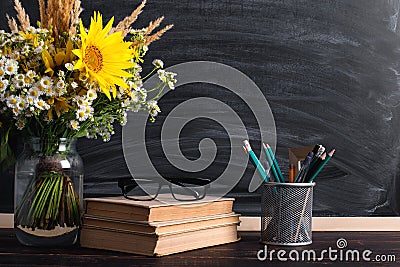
(286, 213)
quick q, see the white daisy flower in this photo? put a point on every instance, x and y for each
(41, 104)
(74, 125)
(91, 94)
(46, 82)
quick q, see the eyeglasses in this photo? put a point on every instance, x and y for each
(182, 189)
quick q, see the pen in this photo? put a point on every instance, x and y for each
(322, 165)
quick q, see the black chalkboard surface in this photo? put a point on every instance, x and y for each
(330, 71)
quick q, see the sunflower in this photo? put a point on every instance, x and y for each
(102, 57)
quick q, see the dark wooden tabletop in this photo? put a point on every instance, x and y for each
(242, 253)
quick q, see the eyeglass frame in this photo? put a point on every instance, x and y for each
(128, 184)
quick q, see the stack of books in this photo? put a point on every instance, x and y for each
(156, 228)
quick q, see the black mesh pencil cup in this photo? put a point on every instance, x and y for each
(286, 213)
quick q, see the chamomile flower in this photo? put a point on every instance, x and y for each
(31, 74)
(134, 96)
(154, 111)
(3, 85)
(21, 104)
(74, 85)
(69, 66)
(30, 100)
(18, 83)
(42, 90)
(20, 124)
(81, 101)
(74, 125)
(11, 68)
(50, 91)
(158, 63)
(12, 101)
(38, 50)
(19, 77)
(88, 110)
(81, 115)
(46, 82)
(91, 94)
(34, 92)
(41, 104)
(28, 81)
(25, 50)
(29, 113)
(60, 88)
(161, 75)
(61, 73)
(171, 85)
(2, 72)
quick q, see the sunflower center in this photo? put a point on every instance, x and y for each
(93, 58)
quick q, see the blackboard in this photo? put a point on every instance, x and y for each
(329, 70)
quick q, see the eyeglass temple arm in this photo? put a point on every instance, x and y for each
(195, 181)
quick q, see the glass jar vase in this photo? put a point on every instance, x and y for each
(48, 192)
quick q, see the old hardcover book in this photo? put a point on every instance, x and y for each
(156, 211)
(154, 244)
(171, 226)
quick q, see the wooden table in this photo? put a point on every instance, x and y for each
(243, 253)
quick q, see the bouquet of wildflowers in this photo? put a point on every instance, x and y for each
(61, 80)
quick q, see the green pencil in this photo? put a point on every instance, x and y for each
(278, 170)
(271, 163)
(255, 160)
(328, 157)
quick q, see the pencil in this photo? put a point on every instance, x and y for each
(291, 173)
(255, 160)
(278, 170)
(322, 165)
(271, 163)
